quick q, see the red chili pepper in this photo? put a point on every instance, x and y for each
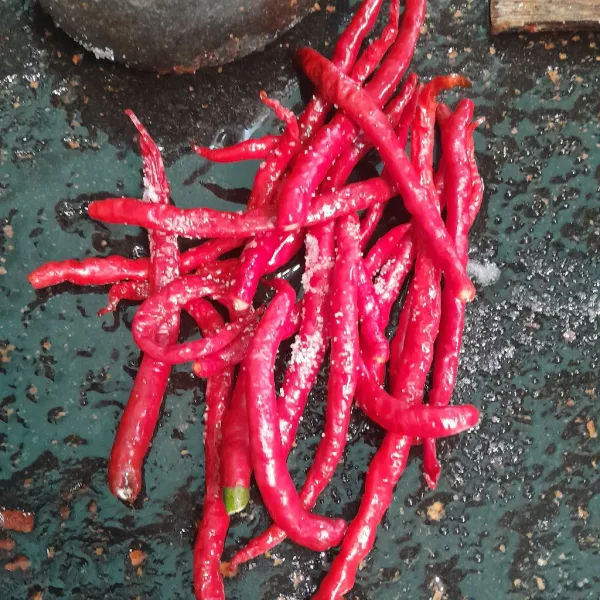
(212, 531)
(16, 520)
(385, 470)
(205, 222)
(340, 390)
(417, 199)
(162, 309)
(134, 291)
(393, 274)
(459, 191)
(398, 415)
(114, 269)
(236, 467)
(310, 344)
(345, 53)
(253, 149)
(268, 459)
(312, 165)
(384, 247)
(141, 412)
(372, 327)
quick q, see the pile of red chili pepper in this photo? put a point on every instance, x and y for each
(301, 199)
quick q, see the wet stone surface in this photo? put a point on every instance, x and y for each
(517, 511)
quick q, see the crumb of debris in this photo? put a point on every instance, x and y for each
(65, 512)
(330, 8)
(540, 583)
(558, 494)
(562, 56)
(362, 564)
(50, 552)
(492, 50)
(7, 544)
(553, 76)
(137, 557)
(277, 562)
(582, 513)
(99, 550)
(542, 562)
(73, 144)
(93, 507)
(452, 54)
(502, 548)
(21, 563)
(316, 7)
(517, 583)
(77, 58)
(591, 428)
(37, 596)
(8, 231)
(3, 271)
(436, 511)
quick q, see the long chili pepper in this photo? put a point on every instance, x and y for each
(395, 413)
(236, 467)
(372, 327)
(137, 291)
(417, 199)
(114, 269)
(212, 531)
(312, 166)
(340, 389)
(462, 191)
(253, 149)
(393, 274)
(310, 344)
(268, 460)
(206, 222)
(385, 469)
(383, 248)
(140, 416)
(409, 368)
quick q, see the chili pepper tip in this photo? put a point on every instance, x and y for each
(227, 570)
(235, 499)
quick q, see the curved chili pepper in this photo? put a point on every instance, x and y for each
(330, 141)
(207, 222)
(461, 191)
(253, 149)
(383, 248)
(212, 531)
(397, 415)
(268, 460)
(140, 416)
(340, 390)
(385, 469)
(134, 291)
(417, 199)
(160, 310)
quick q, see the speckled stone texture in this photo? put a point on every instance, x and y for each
(519, 509)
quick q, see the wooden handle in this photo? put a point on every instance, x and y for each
(542, 15)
